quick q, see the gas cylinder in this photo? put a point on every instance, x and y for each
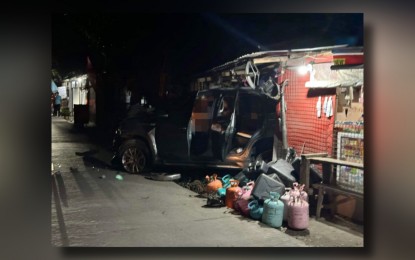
(232, 193)
(213, 183)
(246, 190)
(255, 210)
(298, 214)
(295, 191)
(298, 190)
(222, 191)
(226, 179)
(285, 199)
(303, 194)
(241, 205)
(273, 210)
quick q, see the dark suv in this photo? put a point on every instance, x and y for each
(220, 127)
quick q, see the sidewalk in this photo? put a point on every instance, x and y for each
(321, 233)
(98, 135)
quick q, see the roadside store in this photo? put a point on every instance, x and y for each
(323, 110)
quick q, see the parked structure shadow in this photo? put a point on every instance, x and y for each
(59, 214)
(61, 189)
(82, 183)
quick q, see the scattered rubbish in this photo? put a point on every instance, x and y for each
(214, 200)
(102, 176)
(119, 177)
(165, 176)
(197, 186)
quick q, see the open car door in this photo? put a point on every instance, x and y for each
(198, 134)
(223, 123)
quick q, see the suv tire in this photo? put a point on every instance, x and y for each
(134, 156)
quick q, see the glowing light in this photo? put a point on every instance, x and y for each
(302, 70)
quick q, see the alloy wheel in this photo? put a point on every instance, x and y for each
(133, 160)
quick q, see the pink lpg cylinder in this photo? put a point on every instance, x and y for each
(295, 190)
(303, 194)
(246, 190)
(285, 199)
(298, 190)
(298, 213)
(241, 205)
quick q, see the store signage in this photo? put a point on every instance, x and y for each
(62, 92)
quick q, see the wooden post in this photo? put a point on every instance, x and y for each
(319, 201)
(305, 169)
(305, 172)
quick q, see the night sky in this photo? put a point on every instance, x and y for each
(145, 44)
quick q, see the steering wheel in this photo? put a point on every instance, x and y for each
(252, 74)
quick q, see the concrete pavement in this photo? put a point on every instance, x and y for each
(93, 211)
(90, 207)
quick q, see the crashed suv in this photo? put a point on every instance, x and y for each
(228, 124)
(220, 127)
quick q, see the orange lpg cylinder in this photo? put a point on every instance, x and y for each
(232, 193)
(213, 183)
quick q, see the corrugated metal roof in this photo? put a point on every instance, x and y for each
(272, 53)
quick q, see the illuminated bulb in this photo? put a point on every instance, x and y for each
(302, 70)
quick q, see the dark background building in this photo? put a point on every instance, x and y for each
(150, 53)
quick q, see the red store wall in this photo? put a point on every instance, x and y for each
(303, 125)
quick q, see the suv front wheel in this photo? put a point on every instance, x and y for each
(134, 156)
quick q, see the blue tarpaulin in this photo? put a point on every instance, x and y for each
(54, 87)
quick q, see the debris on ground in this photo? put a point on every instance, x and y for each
(165, 176)
(119, 177)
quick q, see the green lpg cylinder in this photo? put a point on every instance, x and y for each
(255, 210)
(273, 210)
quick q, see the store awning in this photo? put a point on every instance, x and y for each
(323, 76)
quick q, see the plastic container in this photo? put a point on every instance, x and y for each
(264, 185)
(284, 170)
(242, 178)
